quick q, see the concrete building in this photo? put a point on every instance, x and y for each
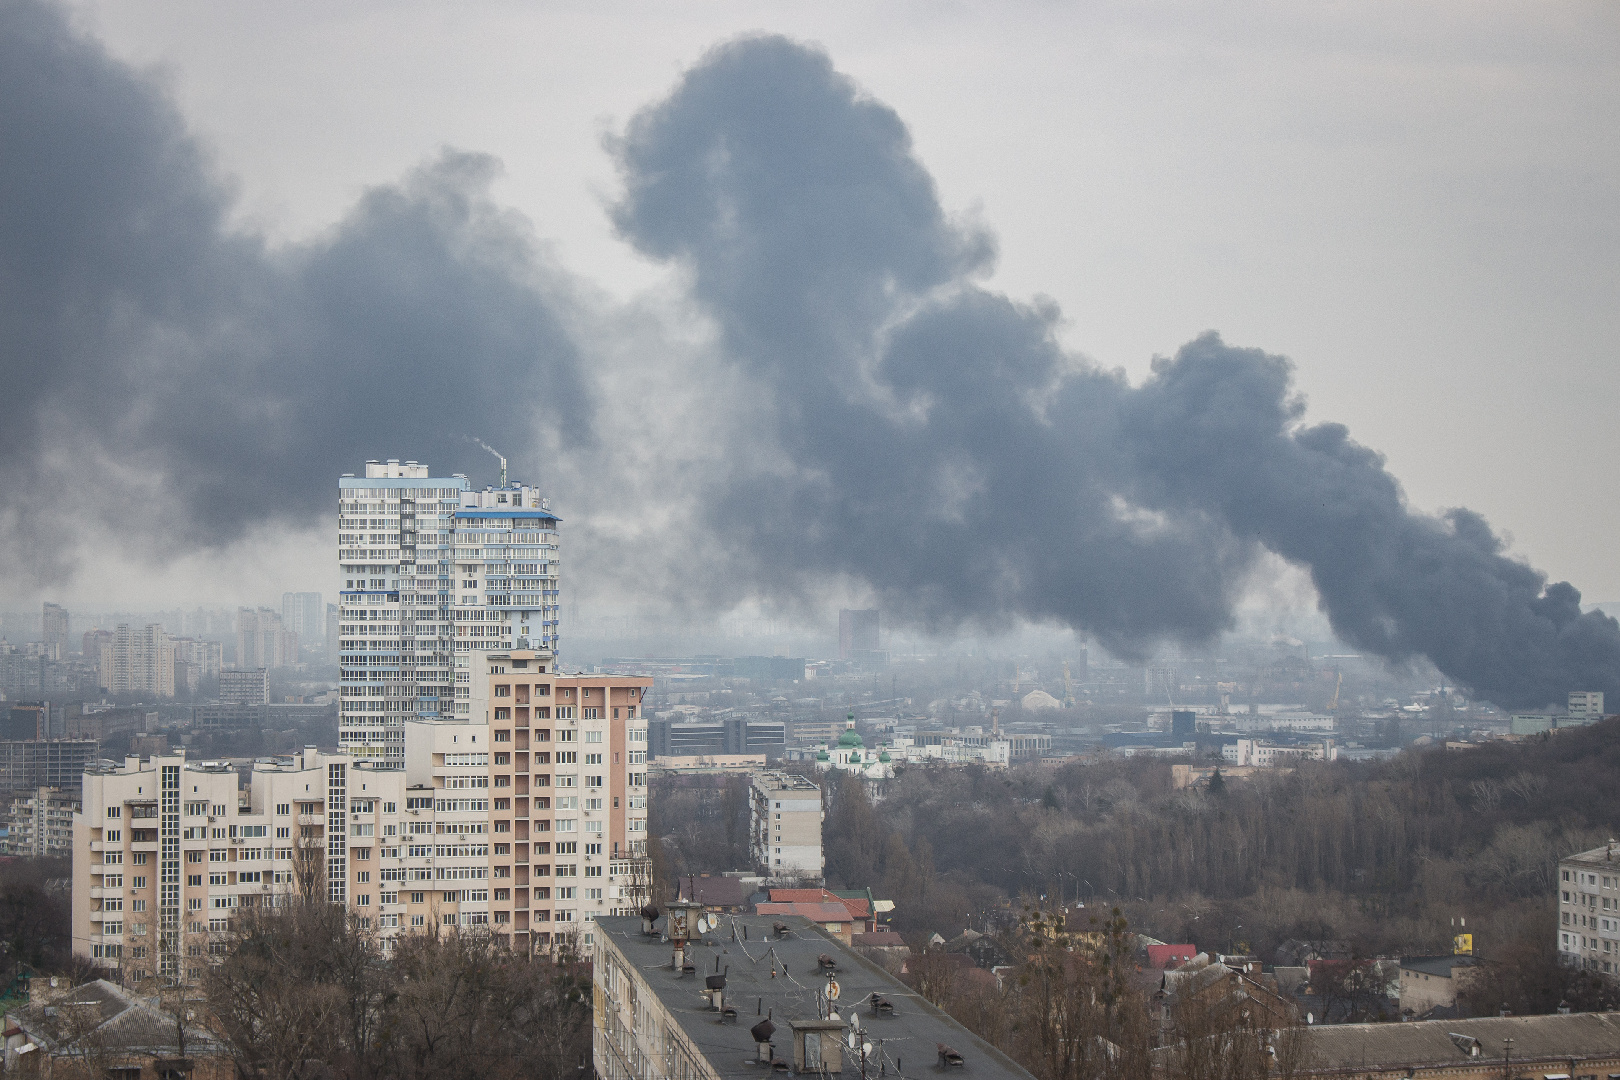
(732, 1019)
(858, 634)
(785, 816)
(244, 686)
(26, 764)
(445, 573)
(731, 735)
(40, 823)
(305, 615)
(568, 811)
(54, 630)
(394, 626)
(166, 850)
(1589, 909)
(263, 640)
(1489, 1048)
(137, 661)
(1586, 706)
(1432, 982)
(196, 660)
(1242, 752)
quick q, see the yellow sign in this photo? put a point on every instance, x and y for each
(1463, 945)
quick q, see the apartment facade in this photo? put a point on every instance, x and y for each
(167, 851)
(1589, 909)
(440, 573)
(244, 686)
(785, 818)
(394, 624)
(40, 823)
(137, 661)
(568, 796)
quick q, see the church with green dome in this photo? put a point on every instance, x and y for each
(851, 755)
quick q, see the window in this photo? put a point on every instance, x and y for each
(115, 811)
(283, 809)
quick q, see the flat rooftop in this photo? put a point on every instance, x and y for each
(750, 953)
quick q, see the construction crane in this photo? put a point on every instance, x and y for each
(1333, 706)
(1068, 687)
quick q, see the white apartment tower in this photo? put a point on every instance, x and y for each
(433, 573)
(394, 531)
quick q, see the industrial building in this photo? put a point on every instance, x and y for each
(708, 738)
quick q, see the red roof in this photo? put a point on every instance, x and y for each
(821, 913)
(858, 908)
(1169, 956)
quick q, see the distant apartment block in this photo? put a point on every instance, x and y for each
(1589, 909)
(858, 636)
(244, 686)
(195, 661)
(40, 823)
(54, 630)
(263, 640)
(1241, 752)
(785, 817)
(304, 614)
(137, 661)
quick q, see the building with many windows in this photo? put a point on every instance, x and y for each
(394, 610)
(785, 817)
(568, 811)
(434, 573)
(40, 823)
(137, 661)
(1589, 909)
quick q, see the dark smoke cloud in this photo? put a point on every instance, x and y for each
(178, 375)
(888, 423)
(929, 437)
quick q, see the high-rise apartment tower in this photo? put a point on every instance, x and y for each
(433, 573)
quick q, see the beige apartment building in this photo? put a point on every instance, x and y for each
(785, 816)
(568, 799)
(531, 823)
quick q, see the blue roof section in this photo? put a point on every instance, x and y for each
(538, 515)
(456, 482)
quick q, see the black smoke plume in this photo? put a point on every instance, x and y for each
(931, 438)
(179, 382)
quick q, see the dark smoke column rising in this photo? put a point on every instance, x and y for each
(928, 436)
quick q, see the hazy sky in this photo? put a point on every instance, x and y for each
(976, 313)
(1415, 202)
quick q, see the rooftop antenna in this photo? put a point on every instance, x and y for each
(499, 457)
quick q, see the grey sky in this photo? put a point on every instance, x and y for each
(1417, 211)
(1414, 202)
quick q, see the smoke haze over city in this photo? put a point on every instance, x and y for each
(828, 398)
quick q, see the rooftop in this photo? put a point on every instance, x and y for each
(749, 952)
(1438, 1042)
(1437, 965)
(1608, 856)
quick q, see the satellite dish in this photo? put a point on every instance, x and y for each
(832, 989)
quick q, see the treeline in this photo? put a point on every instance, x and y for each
(1377, 857)
(302, 991)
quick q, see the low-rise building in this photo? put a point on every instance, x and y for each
(1570, 1045)
(785, 817)
(100, 1030)
(1242, 752)
(1432, 982)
